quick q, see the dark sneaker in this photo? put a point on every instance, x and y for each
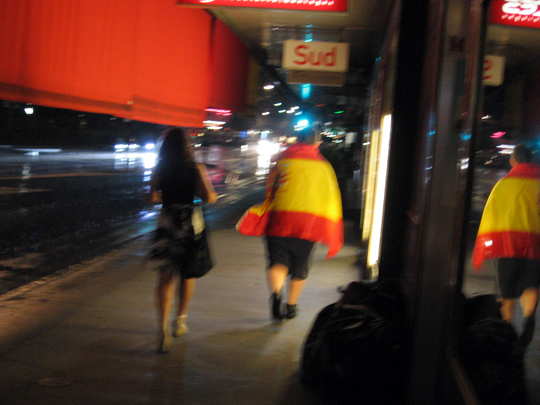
(290, 311)
(275, 302)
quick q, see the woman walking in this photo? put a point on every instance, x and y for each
(177, 239)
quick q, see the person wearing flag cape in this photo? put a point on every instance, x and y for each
(302, 207)
(510, 233)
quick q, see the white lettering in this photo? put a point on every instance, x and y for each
(510, 8)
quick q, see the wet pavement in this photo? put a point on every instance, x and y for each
(88, 335)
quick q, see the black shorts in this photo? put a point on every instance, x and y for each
(291, 252)
(516, 275)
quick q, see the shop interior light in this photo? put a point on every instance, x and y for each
(269, 87)
(380, 193)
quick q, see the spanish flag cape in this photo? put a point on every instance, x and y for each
(302, 201)
(510, 225)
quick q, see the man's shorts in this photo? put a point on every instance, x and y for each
(516, 275)
(291, 252)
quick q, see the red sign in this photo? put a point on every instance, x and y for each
(308, 5)
(521, 13)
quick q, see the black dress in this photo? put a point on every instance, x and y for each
(173, 245)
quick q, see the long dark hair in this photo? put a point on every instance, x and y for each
(176, 149)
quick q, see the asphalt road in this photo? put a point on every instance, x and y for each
(62, 208)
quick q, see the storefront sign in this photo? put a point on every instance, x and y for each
(323, 56)
(493, 70)
(520, 13)
(307, 5)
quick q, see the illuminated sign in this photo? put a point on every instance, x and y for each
(324, 56)
(493, 70)
(521, 13)
(307, 5)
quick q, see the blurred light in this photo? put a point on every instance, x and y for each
(277, 104)
(120, 147)
(281, 111)
(505, 149)
(269, 87)
(150, 146)
(149, 160)
(306, 91)
(218, 110)
(210, 122)
(380, 192)
(339, 112)
(302, 124)
(266, 113)
(263, 164)
(292, 139)
(497, 135)
(268, 148)
(134, 146)
(29, 110)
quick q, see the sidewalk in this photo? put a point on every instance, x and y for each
(88, 336)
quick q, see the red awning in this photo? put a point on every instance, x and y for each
(147, 60)
(230, 61)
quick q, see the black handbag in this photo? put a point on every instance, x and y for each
(200, 261)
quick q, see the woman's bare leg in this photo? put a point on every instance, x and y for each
(165, 294)
(186, 290)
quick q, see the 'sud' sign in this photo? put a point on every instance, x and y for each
(324, 56)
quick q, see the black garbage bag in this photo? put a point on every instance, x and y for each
(356, 344)
(487, 346)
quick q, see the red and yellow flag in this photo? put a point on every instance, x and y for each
(302, 201)
(510, 225)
